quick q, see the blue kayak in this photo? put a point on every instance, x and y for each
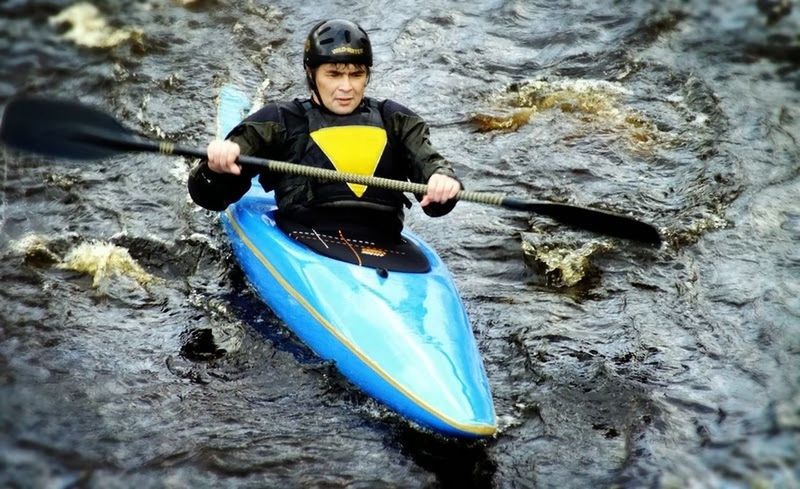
(403, 338)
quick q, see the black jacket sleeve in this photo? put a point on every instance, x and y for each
(413, 135)
(261, 134)
(215, 191)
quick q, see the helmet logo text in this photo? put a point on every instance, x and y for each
(348, 50)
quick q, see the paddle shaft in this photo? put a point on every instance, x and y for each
(317, 173)
(72, 130)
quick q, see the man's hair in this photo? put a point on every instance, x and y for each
(313, 72)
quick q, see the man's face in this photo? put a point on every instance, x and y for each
(341, 86)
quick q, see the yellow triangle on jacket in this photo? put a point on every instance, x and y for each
(352, 149)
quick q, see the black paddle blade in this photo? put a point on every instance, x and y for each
(602, 222)
(60, 128)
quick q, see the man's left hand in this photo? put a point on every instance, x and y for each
(441, 188)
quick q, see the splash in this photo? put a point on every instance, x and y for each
(64, 182)
(87, 27)
(105, 261)
(35, 249)
(563, 267)
(701, 225)
(594, 102)
(180, 171)
(507, 122)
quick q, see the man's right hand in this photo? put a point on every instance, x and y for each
(222, 156)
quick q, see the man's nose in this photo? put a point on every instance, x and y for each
(347, 84)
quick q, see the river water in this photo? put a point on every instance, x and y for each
(133, 354)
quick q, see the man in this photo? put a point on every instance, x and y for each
(337, 128)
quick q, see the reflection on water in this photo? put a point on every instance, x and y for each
(611, 364)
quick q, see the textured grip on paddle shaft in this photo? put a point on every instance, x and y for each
(337, 176)
(481, 197)
(385, 183)
(306, 171)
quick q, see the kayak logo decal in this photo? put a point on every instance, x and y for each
(352, 149)
(368, 250)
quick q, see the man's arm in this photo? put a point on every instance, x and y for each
(215, 191)
(426, 165)
(219, 181)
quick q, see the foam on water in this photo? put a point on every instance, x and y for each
(564, 265)
(87, 27)
(104, 262)
(598, 104)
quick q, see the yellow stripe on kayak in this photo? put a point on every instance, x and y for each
(477, 429)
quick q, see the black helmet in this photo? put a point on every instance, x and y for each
(337, 41)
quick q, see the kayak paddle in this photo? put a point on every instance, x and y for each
(66, 129)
